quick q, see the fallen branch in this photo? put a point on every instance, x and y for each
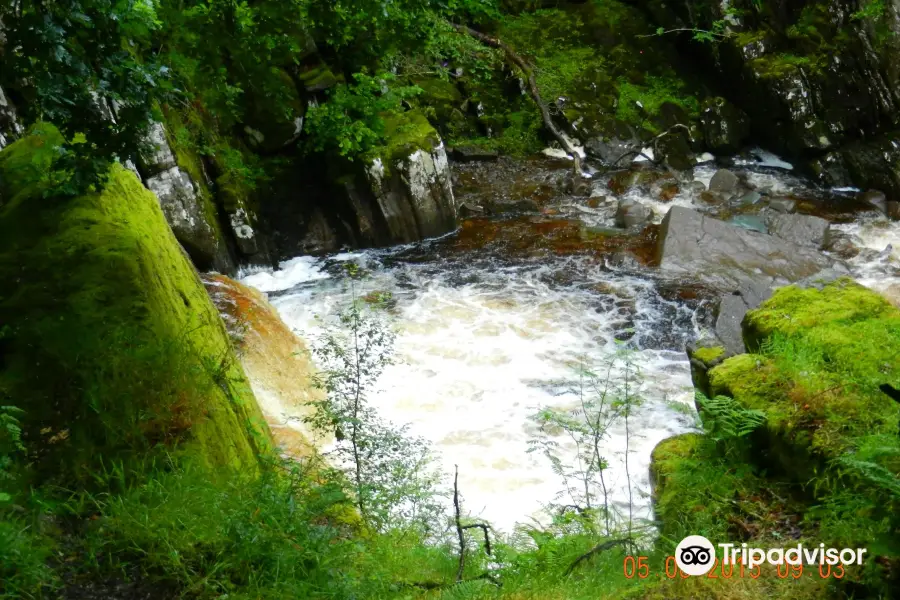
(460, 528)
(597, 549)
(533, 90)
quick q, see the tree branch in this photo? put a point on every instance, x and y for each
(533, 89)
(595, 550)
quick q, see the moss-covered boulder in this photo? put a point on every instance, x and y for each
(822, 356)
(410, 180)
(108, 341)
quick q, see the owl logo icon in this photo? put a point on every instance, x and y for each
(695, 555)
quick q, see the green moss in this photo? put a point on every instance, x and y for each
(793, 310)
(113, 348)
(405, 133)
(697, 488)
(708, 355)
(318, 78)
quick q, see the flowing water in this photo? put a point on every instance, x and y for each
(491, 320)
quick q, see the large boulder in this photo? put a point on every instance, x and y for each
(725, 127)
(111, 345)
(727, 257)
(156, 156)
(411, 181)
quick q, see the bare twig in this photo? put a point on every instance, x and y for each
(678, 29)
(597, 549)
(533, 89)
(460, 528)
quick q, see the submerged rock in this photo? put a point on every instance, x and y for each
(631, 213)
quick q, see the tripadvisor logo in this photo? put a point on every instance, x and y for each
(696, 555)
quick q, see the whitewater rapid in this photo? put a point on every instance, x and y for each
(484, 341)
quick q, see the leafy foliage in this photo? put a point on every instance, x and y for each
(391, 471)
(68, 59)
(352, 122)
(725, 419)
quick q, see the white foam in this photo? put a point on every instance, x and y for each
(293, 272)
(476, 360)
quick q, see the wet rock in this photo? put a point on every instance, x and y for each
(667, 191)
(469, 154)
(610, 141)
(783, 205)
(621, 182)
(732, 309)
(675, 152)
(727, 257)
(631, 213)
(711, 197)
(467, 209)
(185, 210)
(704, 354)
(576, 185)
(725, 127)
(805, 230)
(697, 187)
(596, 201)
(876, 199)
(723, 181)
(749, 199)
(841, 245)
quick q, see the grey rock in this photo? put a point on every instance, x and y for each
(415, 194)
(723, 182)
(841, 245)
(184, 210)
(697, 187)
(468, 154)
(631, 213)
(732, 309)
(158, 156)
(728, 257)
(805, 230)
(783, 205)
(876, 199)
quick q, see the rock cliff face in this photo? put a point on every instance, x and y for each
(818, 78)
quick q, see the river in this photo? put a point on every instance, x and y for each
(492, 319)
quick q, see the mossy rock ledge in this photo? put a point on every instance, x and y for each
(819, 356)
(108, 340)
